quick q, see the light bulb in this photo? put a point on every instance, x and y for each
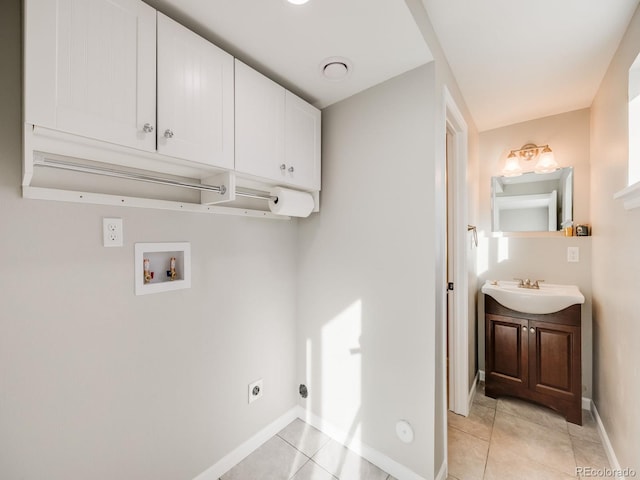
(512, 166)
(547, 162)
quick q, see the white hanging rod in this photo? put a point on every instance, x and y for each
(109, 172)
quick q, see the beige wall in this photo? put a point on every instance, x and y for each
(539, 255)
(365, 308)
(98, 383)
(616, 256)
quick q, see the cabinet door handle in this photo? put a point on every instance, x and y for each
(148, 128)
(168, 133)
(290, 169)
(532, 330)
(283, 167)
(524, 328)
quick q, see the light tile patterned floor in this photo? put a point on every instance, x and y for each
(501, 439)
(513, 439)
(301, 452)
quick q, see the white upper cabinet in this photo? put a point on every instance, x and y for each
(90, 69)
(195, 97)
(259, 124)
(302, 142)
(277, 133)
(115, 81)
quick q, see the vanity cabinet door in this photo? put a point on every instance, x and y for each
(507, 351)
(195, 97)
(554, 364)
(90, 69)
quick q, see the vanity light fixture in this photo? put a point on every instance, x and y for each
(545, 163)
(297, 2)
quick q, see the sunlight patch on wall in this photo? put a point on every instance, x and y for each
(482, 258)
(503, 249)
(341, 363)
(309, 372)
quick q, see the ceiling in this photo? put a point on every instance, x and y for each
(516, 61)
(513, 60)
(288, 42)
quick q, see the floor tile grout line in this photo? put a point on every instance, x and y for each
(291, 444)
(575, 458)
(535, 423)
(493, 426)
(323, 469)
(531, 421)
(474, 404)
(301, 466)
(324, 444)
(534, 460)
(468, 433)
(597, 442)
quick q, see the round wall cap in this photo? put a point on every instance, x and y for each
(404, 431)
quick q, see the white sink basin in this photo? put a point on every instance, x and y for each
(549, 298)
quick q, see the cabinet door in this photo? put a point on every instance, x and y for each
(195, 97)
(302, 143)
(90, 69)
(507, 350)
(260, 109)
(554, 364)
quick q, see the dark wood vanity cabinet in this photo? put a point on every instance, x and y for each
(535, 357)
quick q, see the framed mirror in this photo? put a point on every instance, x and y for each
(532, 202)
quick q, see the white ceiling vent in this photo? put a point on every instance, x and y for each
(335, 68)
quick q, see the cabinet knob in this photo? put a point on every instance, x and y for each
(168, 133)
(524, 328)
(283, 167)
(532, 330)
(290, 169)
(148, 128)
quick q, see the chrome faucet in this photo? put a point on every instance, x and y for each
(526, 283)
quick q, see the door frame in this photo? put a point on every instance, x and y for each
(457, 328)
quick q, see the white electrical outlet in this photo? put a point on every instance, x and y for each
(255, 390)
(573, 254)
(112, 235)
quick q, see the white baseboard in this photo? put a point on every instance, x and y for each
(236, 456)
(611, 454)
(472, 393)
(481, 373)
(442, 474)
(379, 459)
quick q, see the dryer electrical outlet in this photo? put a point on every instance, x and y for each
(255, 390)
